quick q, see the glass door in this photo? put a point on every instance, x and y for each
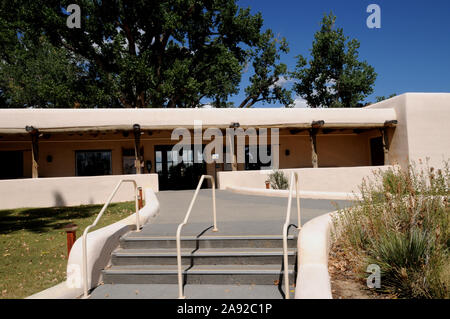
(177, 171)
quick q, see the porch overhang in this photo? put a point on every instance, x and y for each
(15, 121)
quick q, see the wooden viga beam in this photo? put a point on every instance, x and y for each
(137, 153)
(34, 133)
(391, 123)
(315, 126)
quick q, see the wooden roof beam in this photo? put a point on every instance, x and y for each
(391, 123)
(317, 124)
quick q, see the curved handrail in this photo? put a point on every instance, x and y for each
(294, 175)
(188, 213)
(85, 277)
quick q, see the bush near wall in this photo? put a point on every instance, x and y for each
(401, 224)
(278, 180)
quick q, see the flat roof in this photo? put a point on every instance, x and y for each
(13, 121)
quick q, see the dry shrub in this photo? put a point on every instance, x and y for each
(401, 224)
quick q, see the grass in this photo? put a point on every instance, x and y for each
(402, 224)
(33, 249)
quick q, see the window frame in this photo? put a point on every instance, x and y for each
(94, 150)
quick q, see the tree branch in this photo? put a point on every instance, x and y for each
(130, 38)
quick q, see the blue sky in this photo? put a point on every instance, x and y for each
(410, 52)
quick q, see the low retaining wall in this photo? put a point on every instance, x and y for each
(302, 194)
(69, 191)
(313, 279)
(100, 244)
(335, 179)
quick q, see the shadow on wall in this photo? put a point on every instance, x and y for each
(59, 199)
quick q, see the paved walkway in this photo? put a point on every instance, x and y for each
(236, 214)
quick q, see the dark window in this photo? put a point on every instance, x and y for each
(253, 160)
(91, 163)
(128, 161)
(11, 164)
(376, 151)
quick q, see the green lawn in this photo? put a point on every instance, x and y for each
(33, 251)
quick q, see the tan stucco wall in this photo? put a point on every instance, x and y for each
(428, 119)
(423, 128)
(398, 150)
(333, 150)
(342, 150)
(340, 179)
(69, 191)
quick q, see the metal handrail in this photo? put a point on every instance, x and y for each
(180, 277)
(85, 277)
(285, 230)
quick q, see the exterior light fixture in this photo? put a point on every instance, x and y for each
(148, 165)
(235, 125)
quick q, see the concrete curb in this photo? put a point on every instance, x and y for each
(285, 193)
(101, 243)
(313, 279)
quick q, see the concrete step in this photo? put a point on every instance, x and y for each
(125, 291)
(134, 241)
(202, 256)
(197, 274)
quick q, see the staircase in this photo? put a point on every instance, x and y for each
(207, 260)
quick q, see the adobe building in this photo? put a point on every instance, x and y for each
(43, 143)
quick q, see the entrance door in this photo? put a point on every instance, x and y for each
(11, 164)
(376, 151)
(177, 172)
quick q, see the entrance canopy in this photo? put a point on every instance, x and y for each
(15, 121)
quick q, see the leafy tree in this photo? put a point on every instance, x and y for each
(333, 77)
(44, 76)
(166, 53)
(267, 73)
(34, 73)
(382, 98)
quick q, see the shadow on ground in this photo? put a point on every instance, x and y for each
(42, 219)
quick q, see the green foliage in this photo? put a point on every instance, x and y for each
(43, 76)
(402, 224)
(407, 269)
(264, 82)
(166, 53)
(278, 180)
(334, 77)
(382, 98)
